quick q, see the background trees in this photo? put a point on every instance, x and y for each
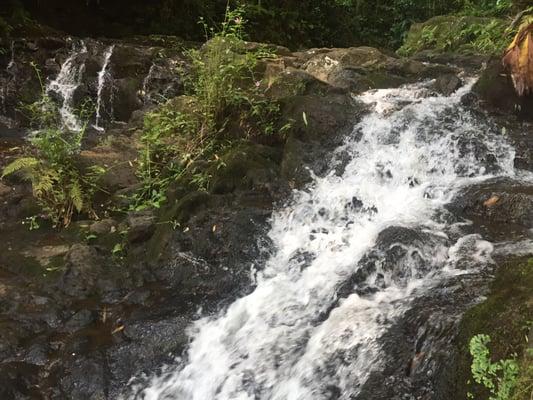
(294, 23)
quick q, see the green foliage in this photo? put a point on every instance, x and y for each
(59, 185)
(500, 377)
(225, 102)
(487, 8)
(524, 385)
(458, 34)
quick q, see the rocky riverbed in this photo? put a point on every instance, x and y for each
(79, 319)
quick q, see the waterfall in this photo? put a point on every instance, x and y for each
(12, 60)
(66, 83)
(103, 77)
(146, 84)
(297, 335)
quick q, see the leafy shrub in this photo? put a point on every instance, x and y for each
(458, 34)
(189, 131)
(487, 8)
(59, 185)
(500, 377)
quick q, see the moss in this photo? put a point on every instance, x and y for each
(524, 388)
(459, 34)
(505, 316)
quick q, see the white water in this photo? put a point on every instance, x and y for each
(407, 160)
(66, 83)
(104, 76)
(146, 83)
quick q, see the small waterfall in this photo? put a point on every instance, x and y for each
(65, 85)
(104, 76)
(146, 84)
(298, 335)
(12, 60)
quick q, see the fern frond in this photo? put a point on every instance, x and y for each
(76, 196)
(43, 182)
(23, 163)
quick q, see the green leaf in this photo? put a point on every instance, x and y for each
(76, 196)
(24, 163)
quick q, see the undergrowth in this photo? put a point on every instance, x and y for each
(460, 34)
(225, 103)
(498, 378)
(60, 186)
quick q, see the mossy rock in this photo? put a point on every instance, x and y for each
(505, 316)
(290, 81)
(358, 69)
(460, 34)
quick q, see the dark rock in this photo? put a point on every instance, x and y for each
(496, 91)
(79, 320)
(246, 167)
(141, 226)
(447, 84)
(84, 266)
(83, 379)
(508, 214)
(103, 227)
(127, 98)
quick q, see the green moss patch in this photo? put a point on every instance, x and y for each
(505, 316)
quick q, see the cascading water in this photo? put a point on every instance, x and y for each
(66, 83)
(146, 83)
(104, 76)
(312, 327)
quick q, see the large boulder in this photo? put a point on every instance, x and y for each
(495, 89)
(361, 68)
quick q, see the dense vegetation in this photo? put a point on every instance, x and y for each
(225, 103)
(294, 23)
(60, 185)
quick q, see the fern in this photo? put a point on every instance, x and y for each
(23, 163)
(59, 185)
(76, 196)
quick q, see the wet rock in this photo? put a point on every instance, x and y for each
(4, 190)
(150, 343)
(117, 159)
(103, 227)
(447, 84)
(163, 81)
(45, 254)
(79, 320)
(141, 226)
(496, 91)
(84, 379)
(504, 209)
(362, 68)
(84, 266)
(246, 167)
(127, 98)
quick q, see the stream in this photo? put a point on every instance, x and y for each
(361, 250)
